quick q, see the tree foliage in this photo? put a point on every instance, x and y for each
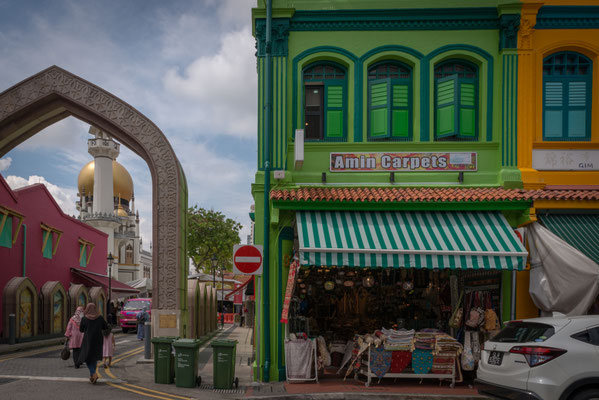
(210, 234)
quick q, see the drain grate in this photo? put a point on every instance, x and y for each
(239, 390)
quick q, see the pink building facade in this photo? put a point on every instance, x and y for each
(51, 263)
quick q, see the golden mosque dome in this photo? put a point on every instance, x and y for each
(121, 212)
(122, 182)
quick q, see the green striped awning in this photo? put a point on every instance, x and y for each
(465, 240)
(580, 231)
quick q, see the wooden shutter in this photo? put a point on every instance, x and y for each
(467, 124)
(334, 111)
(379, 109)
(446, 106)
(5, 230)
(47, 238)
(400, 119)
(577, 110)
(553, 110)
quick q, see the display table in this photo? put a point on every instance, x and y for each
(409, 373)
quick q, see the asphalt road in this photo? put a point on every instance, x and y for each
(42, 374)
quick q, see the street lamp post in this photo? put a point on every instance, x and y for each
(222, 298)
(110, 260)
(214, 263)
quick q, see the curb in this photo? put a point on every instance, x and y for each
(360, 396)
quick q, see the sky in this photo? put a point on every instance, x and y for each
(187, 65)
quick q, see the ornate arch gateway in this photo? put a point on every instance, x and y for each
(54, 94)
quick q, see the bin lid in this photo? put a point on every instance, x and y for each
(164, 339)
(224, 343)
(186, 343)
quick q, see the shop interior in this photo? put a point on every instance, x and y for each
(342, 307)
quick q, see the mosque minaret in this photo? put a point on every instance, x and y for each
(107, 202)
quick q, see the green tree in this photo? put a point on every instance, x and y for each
(211, 234)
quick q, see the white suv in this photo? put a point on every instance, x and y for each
(553, 358)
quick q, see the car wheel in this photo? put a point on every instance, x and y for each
(590, 394)
(125, 330)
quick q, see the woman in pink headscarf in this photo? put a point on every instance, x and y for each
(75, 337)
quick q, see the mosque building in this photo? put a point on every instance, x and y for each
(107, 202)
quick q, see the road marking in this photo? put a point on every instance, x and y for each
(140, 390)
(124, 341)
(56, 378)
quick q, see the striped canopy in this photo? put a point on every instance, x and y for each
(436, 239)
(580, 231)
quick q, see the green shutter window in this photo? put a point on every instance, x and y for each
(400, 120)
(325, 102)
(6, 231)
(47, 243)
(467, 122)
(446, 106)
(334, 113)
(82, 255)
(567, 81)
(378, 109)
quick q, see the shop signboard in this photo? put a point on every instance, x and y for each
(403, 162)
(247, 259)
(565, 160)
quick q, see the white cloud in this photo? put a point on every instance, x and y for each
(5, 163)
(222, 86)
(65, 197)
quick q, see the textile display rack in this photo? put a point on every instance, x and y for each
(366, 370)
(301, 360)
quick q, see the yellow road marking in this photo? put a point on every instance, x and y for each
(155, 391)
(140, 390)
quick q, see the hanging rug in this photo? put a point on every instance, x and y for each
(422, 361)
(380, 361)
(399, 361)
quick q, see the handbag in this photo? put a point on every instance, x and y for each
(491, 319)
(476, 316)
(65, 353)
(467, 360)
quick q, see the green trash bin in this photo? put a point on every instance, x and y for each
(186, 362)
(164, 371)
(223, 362)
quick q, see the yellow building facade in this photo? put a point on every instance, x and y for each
(558, 111)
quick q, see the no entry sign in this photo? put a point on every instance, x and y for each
(247, 259)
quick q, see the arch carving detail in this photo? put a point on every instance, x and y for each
(54, 94)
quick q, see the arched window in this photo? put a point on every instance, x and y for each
(325, 102)
(567, 81)
(456, 101)
(389, 101)
(129, 254)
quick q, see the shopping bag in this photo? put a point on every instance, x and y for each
(467, 356)
(65, 353)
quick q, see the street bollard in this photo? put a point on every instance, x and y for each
(12, 329)
(147, 340)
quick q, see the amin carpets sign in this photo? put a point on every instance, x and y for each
(404, 162)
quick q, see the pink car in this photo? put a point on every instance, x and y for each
(128, 315)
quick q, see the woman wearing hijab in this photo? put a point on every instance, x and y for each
(92, 325)
(75, 337)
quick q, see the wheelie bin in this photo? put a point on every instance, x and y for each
(164, 371)
(186, 362)
(223, 362)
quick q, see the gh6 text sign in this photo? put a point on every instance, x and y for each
(247, 259)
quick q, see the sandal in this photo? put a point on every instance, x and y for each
(94, 379)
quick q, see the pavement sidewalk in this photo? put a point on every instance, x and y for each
(139, 371)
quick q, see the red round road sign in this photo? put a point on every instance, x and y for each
(247, 259)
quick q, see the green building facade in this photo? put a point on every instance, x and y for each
(365, 79)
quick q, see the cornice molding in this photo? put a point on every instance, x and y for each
(405, 19)
(280, 37)
(568, 17)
